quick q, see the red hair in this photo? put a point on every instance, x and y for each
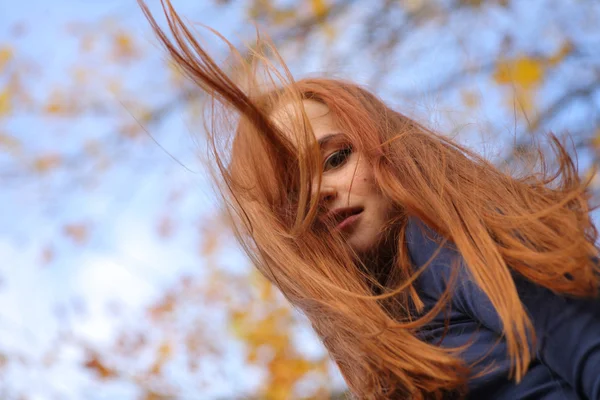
(537, 225)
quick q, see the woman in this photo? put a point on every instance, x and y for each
(426, 271)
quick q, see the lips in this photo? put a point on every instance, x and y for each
(343, 218)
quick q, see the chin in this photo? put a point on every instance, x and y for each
(360, 246)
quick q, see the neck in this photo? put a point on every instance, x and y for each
(380, 262)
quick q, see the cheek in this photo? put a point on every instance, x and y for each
(360, 180)
(364, 185)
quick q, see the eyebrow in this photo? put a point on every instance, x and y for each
(328, 138)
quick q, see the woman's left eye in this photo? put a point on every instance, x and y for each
(337, 159)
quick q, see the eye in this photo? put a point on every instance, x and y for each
(337, 159)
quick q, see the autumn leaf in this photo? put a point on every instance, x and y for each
(47, 162)
(594, 177)
(164, 351)
(9, 143)
(162, 308)
(123, 46)
(94, 364)
(6, 54)
(284, 372)
(471, 3)
(87, 43)
(560, 55)
(209, 244)
(77, 232)
(470, 98)
(319, 8)
(524, 71)
(132, 130)
(5, 101)
(47, 255)
(152, 395)
(595, 141)
(80, 76)
(163, 354)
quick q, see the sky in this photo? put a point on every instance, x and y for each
(124, 261)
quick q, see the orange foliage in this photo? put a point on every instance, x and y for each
(319, 8)
(47, 162)
(523, 71)
(271, 330)
(9, 143)
(94, 364)
(78, 233)
(47, 255)
(163, 354)
(163, 308)
(6, 54)
(5, 101)
(124, 47)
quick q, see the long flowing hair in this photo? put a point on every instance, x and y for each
(537, 225)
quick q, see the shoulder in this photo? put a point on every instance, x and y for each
(428, 248)
(441, 267)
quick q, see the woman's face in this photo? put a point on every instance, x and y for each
(350, 198)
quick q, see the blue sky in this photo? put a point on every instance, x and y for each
(124, 261)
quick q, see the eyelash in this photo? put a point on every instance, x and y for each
(345, 152)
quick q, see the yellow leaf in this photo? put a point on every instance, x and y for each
(162, 308)
(151, 395)
(114, 86)
(209, 244)
(596, 140)
(284, 372)
(281, 16)
(5, 98)
(123, 46)
(525, 99)
(164, 351)
(472, 3)
(8, 142)
(266, 291)
(56, 104)
(593, 176)
(329, 32)
(47, 162)
(319, 8)
(237, 322)
(80, 76)
(523, 71)
(177, 77)
(163, 354)
(412, 5)
(132, 130)
(6, 54)
(560, 55)
(470, 99)
(54, 108)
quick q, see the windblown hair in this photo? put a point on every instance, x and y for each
(537, 225)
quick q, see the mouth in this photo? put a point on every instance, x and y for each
(345, 218)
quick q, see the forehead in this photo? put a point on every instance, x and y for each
(318, 114)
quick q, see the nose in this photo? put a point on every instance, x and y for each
(327, 194)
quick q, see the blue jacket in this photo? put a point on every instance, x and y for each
(567, 364)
